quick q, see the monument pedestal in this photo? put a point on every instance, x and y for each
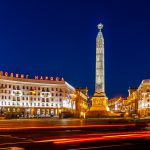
(99, 106)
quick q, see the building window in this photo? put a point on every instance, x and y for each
(43, 100)
(14, 109)
(47, 99)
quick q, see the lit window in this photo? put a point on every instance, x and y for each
(14, 109)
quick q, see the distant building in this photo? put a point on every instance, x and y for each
(132, 102)
(137, 102)
(81, 101)
(144, 98)
(115, 104)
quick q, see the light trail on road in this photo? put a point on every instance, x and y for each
(68, 127)
(82, 138)
(104, 137)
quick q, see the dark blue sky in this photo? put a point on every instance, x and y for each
(57, 37)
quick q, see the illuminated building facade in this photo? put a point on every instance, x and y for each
(126, 106)
(115, 104)
(132, 102)
(81, 102)
(35, 97)
(144, 98)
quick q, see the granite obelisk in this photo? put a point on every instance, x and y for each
(99, 100)
(100, 81)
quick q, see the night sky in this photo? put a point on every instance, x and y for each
(57, 38)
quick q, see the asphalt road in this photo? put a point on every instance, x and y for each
(56, 121)
(73, 134)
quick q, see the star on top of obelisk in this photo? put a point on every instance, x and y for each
(100, 26)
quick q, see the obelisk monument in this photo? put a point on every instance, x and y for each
(99, 100)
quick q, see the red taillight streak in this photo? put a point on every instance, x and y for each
(103, 138)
